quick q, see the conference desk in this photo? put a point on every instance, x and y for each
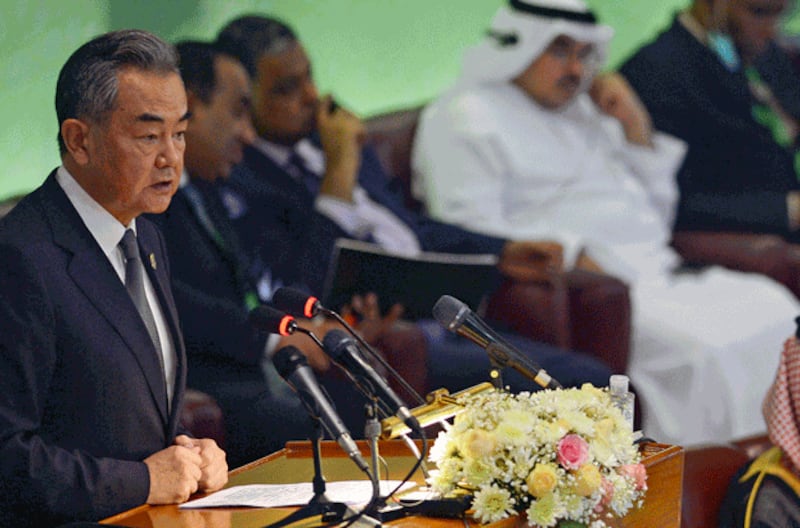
(294, 464)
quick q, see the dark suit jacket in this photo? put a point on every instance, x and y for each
(82, 396)
(210, 283)
(735, 176)
(275, 214)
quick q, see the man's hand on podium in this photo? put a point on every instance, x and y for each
(188, 466)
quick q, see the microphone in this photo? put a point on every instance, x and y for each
(297, 302)
(456, 317)
(291, 364)
(344, 350)
(274, 321)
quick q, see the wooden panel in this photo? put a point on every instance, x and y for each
(294, 464)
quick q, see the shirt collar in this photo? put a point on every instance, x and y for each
(105, 229)
(278, 153)
(311, 154)
(693, 26)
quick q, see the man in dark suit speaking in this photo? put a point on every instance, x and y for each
(92, 364)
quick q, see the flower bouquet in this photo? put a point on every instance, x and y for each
(561, 458)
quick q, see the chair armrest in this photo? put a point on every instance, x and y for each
(769, 255)
(600, 314)
(202, 416)
(537, 311)
(707, 472)
(405, 349)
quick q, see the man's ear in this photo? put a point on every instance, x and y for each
(75, 134)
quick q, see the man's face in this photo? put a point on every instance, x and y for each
(555, 77)
(220, 129)
(132, 159)
(753, 24)
(284, 96)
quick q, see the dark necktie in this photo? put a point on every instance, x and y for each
(134, 283)
(299, 169)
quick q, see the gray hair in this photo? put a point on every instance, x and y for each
(87, 84)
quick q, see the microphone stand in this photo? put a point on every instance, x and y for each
(372, 432)
(319, 504)
(496, 372)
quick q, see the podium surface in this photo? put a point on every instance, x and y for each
(662, 505)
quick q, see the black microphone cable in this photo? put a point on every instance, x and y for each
(298, 303)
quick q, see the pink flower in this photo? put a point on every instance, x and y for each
(637, 472)
(608, 495)
(573, 451)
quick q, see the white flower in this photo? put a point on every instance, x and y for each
(478, 473)
(441, 448)
(546, 511)
(492, 503)
(510, 433)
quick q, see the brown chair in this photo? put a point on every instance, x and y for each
(406, 350)
(586, 311)
(769, 255)
(707, 472)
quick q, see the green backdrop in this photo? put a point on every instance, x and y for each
(375, 55)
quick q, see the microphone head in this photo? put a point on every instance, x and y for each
(296, 302)
(271, 320)
(450, 312)
(335, 342)
(287, 360)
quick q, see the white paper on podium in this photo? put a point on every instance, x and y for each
(299, 494)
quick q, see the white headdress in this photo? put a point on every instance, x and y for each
(521, 31)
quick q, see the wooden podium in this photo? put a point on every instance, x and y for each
(662, 505)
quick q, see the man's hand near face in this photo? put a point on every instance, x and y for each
(614, 97)
(341, 134)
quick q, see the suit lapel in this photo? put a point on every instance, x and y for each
(95, 277)
(156, 266)
(269, 178)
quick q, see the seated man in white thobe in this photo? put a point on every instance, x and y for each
(522, 147)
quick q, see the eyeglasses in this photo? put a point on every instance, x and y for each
(566, 51)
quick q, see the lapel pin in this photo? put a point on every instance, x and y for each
(153, 260)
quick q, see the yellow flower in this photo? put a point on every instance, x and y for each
(602, 447)
(477, 443)
(587, 480)
(603, 428)
(542, 480)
